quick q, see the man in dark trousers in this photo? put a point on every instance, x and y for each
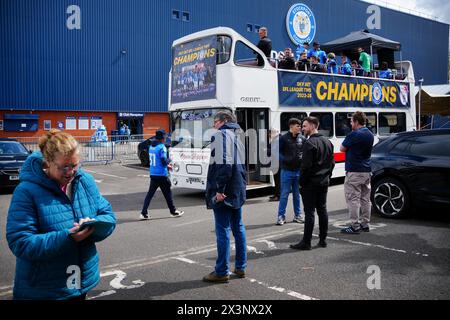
(264, 44)
(226, 194)
(159, 161)
(358, 150)
(317, 167)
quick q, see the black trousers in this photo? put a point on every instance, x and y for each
(315, 198)
(164, 184)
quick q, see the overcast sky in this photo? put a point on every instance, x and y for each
(433, 8)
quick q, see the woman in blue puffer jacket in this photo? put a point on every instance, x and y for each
(55, 260)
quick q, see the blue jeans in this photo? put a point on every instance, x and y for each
(227, 218)
(289, 183)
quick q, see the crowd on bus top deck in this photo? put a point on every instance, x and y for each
(316, 60)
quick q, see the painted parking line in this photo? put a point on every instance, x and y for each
(105, 174)
(291, 293)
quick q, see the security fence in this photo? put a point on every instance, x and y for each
(121, 149)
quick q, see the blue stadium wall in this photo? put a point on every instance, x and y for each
(120, 58)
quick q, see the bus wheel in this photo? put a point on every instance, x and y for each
(390, 198)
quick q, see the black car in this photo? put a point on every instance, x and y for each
(12, 156)
(411, 169)
(143, 150)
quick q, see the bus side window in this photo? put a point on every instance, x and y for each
(326, 121)
(245, 56)
(286, 116)
(392, 123)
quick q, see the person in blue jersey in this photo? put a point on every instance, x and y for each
(319, 53)
(358, 150)
(159, 162)
(55, 259)
(331, 63)
(346, 68)
(385, 72)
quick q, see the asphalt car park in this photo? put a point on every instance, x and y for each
(165, 258)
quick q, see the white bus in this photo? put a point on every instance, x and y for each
(217, 69)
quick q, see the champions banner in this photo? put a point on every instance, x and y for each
(312, 89)
(194, 70)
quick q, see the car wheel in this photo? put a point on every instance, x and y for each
(390, 198)
(144, 159)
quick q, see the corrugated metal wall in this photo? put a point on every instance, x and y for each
(120, 59)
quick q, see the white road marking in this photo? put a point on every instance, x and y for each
(367, 244)
(144, 175)
(185, 260)
(98, 181)
(6, 287)
(275, 288)
(6, 293)
(103, 294)
(105, 174)
(270, 244)
(191, 222)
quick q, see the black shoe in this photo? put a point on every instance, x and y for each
(351, 230)
(322, 244)
(274, 198)
(177, 213)
(364, 229)
(301, 246)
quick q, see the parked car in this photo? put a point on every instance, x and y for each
(12, 156)
(143, 150)
(411, 169)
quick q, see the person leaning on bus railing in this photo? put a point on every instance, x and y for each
(346, 68)
(54, 198)
(264, 44)
(316, 66)
(331, 63)
(356, 69)
(303, 64)
(288, 61)
(226, 194)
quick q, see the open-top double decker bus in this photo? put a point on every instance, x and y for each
(217, 69)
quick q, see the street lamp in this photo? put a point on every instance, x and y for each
(420, 101)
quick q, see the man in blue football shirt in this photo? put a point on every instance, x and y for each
(159, 161)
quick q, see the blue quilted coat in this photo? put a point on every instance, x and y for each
(37, 230)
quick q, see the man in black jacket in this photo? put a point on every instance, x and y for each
(316, 167)
(288, 61)
(291, 147)
(264, 44)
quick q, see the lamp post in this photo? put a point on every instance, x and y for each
(420, 101)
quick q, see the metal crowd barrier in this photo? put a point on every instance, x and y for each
(117, 149)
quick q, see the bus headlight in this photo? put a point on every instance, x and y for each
(176, 167)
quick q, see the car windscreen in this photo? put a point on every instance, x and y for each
(12, 148)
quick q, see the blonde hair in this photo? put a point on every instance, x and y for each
(56, 142)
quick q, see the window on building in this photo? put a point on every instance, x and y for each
(176, 14)
(186, 16)
(326, 126)
(245, 56)
(249, 27)
(257, 27)
(390, 123)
